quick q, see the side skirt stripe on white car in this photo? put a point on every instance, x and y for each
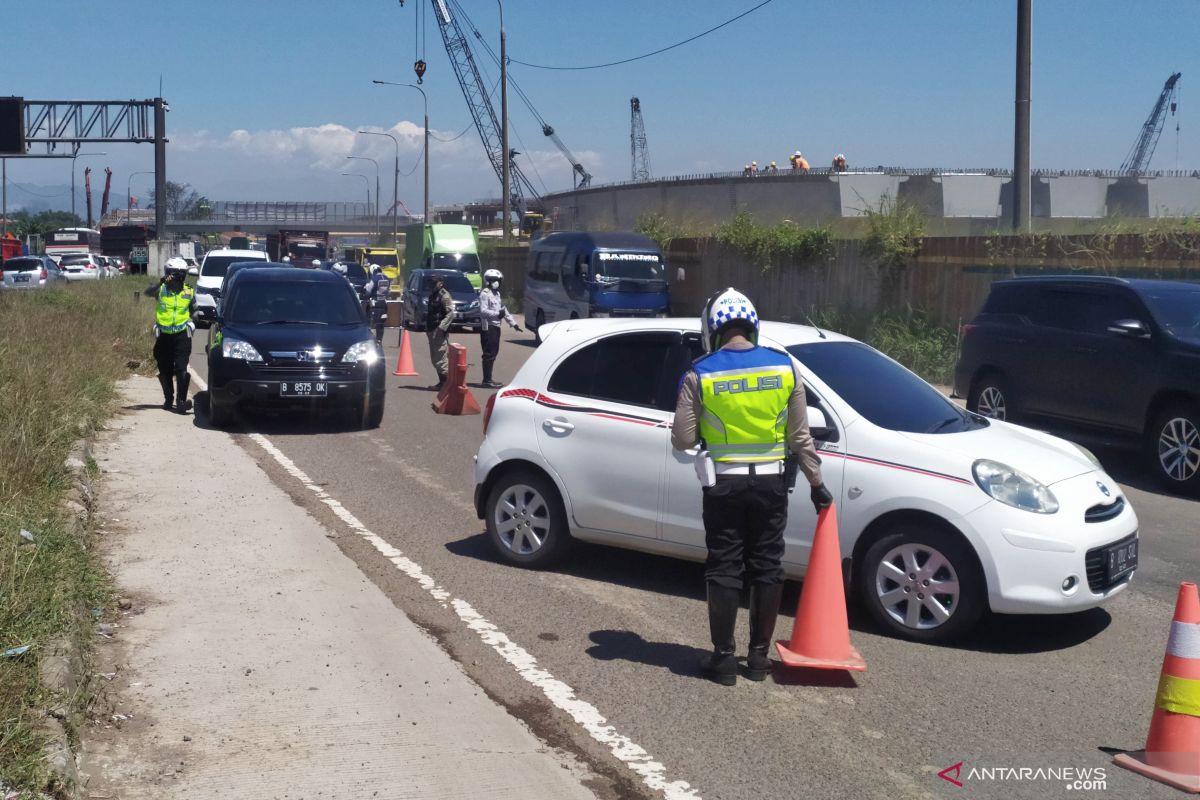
(550, 402)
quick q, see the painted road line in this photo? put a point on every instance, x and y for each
(561, 695)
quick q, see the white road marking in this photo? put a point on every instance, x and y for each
(586, 715)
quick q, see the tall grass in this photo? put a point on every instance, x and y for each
(61, 352)
(926, 348)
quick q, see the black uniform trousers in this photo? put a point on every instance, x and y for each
(171, 353)
(489, 341)
(744, 518)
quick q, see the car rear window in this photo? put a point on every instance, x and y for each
(71, 260)
(628, 368)
(1177, 310)
(279, 301)
(216, 266)
(21, 265)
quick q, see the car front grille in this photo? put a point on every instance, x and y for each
(303, 372)
(1103, 513)
(1094, 564)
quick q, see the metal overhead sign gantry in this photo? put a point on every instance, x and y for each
(26, 123)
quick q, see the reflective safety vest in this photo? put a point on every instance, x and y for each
(174, 309)
(744, 398)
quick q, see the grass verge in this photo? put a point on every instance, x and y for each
(61, 352)
(926, 348)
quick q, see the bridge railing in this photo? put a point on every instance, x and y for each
(279, 211)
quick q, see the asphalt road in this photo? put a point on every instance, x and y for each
(626, 630)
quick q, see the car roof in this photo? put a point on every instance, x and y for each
(286, 273)
(1138, 284)
(252, 255)
(785, 333)
(626, 240)
(425, 273)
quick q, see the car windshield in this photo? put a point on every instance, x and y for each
(455, 283)
(278, 301)
(463, 262)
(21, 265)
(1176, 309)
(884, 392)
(217, 266)
(627, 266)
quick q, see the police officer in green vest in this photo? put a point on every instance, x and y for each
(745, 406)
(173, 329)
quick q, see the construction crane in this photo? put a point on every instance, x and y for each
(1143, 149)
(107, 187)
(480, 105)
(637, 142)
(578, 172)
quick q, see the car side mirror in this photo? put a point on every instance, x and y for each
(195, 273)
(818, 424)
(1131, 328)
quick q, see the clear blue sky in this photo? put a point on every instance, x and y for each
(265, 94)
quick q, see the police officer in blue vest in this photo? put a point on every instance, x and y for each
(745, 406)
(173, 327)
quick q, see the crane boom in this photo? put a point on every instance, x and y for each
(585, 177)
(1143, 149)
(480, 105)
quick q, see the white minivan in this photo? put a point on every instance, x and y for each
(212, 271)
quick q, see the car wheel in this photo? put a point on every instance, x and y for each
(220, 415)
(1174, 447)
(526, 521)
(373, 416)
(991, 397)
(539, 320)
(921, 583)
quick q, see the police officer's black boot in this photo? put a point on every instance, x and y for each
(182, 404)
(721, 666)
(764, 608)
(168, 392)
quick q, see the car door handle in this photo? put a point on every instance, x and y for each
(558, 425)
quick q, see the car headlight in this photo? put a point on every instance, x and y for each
(364, 352)
(242, 351)
(1090, 456)
(474, 304)
(1013, 487)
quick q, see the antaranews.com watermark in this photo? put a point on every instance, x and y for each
(1080, 778)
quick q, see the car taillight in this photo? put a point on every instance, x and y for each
(45, 274)
(487, 411)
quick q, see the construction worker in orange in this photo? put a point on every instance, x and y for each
(799, 162)
(839, 163)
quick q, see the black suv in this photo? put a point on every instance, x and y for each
(288, 336)
(1115, 355)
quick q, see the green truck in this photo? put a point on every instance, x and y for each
(444, 247)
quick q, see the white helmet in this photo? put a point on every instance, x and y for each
(316, 262)
(286, 260)
(340, 268)
(176, 264)
(375, 268)
(725, 308)
(492, 278)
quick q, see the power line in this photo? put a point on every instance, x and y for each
(653, 53)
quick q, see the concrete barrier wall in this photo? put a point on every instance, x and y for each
(978, 201)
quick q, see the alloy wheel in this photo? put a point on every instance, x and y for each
(522, 519)
(1179, 449)
(917, 586)
(992, 404)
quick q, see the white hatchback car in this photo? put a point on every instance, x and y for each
(943, 513)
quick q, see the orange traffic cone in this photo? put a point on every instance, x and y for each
(404, 362)
(821, 635)
(455, 398)
(1172, 754)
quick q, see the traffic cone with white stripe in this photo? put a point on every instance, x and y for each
(1172, 754)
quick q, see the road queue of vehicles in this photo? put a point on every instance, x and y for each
(212, 273)
(415, 309)
(944, 514)
(579, 274)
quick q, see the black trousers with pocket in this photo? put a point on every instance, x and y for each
(744, 519)
(171, 353)
(489, 341)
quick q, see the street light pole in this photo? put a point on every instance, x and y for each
(366, 182)
(77, 155)
(425, 98)
(376, 163)
(395, 185)
(504, 121)
(129, 191)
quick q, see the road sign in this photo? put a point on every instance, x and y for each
(139, 255)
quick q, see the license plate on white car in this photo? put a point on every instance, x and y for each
(1121, 559)
(303, 389)
(21, 278)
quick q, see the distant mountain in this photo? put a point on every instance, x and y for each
(35, 197)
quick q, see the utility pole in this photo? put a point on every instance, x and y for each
(424, 98)
(1021, 177)
(506, 157)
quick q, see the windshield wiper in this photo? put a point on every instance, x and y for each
(944, 424)
(292, 322)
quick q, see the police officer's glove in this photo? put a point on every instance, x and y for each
(821, 497)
